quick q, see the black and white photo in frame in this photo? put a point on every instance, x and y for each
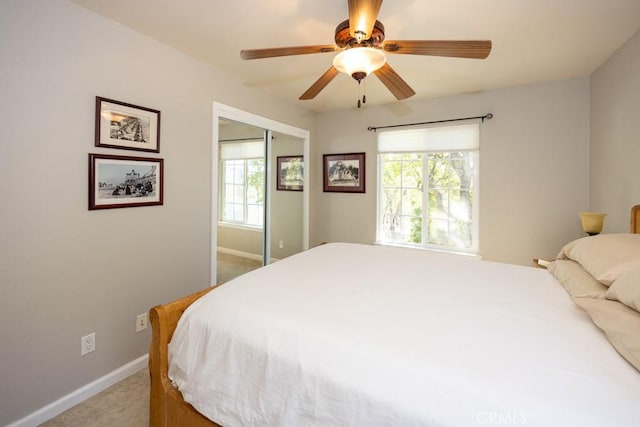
(122, 181)
(126, 126)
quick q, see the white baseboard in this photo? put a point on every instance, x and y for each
(240, 253)
(80, 395)
(244, 254)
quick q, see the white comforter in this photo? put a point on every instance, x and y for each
(361, 335)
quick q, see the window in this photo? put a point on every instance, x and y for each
(427, 188)
(242, 175)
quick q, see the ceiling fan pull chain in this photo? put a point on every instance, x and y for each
(359, 94)
(364, 93)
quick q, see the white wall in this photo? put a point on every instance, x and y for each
(615, 136)
(66, 271)
(534, 157)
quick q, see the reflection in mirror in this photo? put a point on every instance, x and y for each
(241, 199)
(286, 196)
(285, 213)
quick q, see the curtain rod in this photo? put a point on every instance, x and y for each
(487, 116)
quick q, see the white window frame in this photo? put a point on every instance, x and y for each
(425, 142)
(245, 188)
(244, 152)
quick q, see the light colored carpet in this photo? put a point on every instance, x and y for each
(124, 404)
(230, 266)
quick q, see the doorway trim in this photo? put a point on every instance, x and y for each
(231, 113)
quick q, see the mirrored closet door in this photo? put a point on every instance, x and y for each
(259, 200)
(241, 199)
(286, 201)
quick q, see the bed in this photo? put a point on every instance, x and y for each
(443, 340)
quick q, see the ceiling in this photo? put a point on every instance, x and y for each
(533, 41)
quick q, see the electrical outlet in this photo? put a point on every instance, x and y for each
(141, 322)
(88, 344)
(281, 244)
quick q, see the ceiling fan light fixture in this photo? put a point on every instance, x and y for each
(358, 62)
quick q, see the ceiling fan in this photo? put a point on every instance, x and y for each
(362, 45)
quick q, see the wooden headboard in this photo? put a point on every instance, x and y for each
(635, 219)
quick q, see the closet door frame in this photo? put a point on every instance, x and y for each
(222, 111)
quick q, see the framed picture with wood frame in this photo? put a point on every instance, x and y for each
(126, 126)
(344, 173)
(290, 173)
(123, 181)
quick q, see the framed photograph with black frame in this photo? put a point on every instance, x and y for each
(123, 181)
(126, 126)
(290, 173)
(344, 173)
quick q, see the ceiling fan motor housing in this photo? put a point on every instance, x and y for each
(344, 39)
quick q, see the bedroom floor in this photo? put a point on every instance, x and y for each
(230, 266)
(123, 404)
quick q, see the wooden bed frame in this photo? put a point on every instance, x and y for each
(635, 219)
(167, 407)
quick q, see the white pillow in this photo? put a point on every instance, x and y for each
(626, 289)
(605, 256)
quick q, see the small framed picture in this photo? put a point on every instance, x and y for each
(344, 173)
(126, 126)
(290, 173)
(122, 181)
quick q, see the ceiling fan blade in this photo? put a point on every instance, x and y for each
(475, 49)
(362, 17)
(320, 84)
(398, 87)
(285, 51)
